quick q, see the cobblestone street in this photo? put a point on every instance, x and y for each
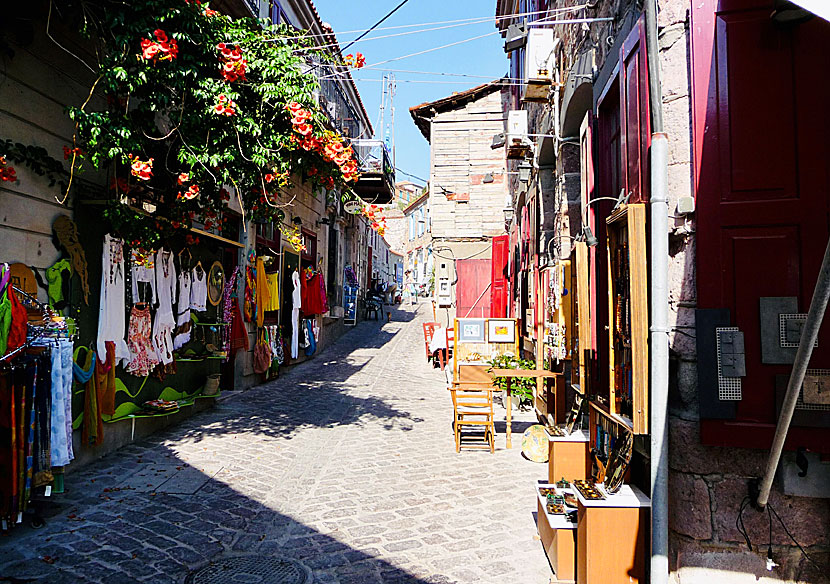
(345, 463)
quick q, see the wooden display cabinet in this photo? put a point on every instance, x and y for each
(558, 537)
(612, 538)
(569, 457)
(628, 317)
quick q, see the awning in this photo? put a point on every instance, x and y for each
(817, 7)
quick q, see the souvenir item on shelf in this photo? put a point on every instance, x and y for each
(569, 500)
(575, 414)
(198, 288)
(618, 462)
(554, 508)
(546, 491)
(588, 490)
(160, 406)
(216, 284)
(535, 444)
(563, 483)
(112, 305)
(67, 235)
(598, 465)
(555, 430)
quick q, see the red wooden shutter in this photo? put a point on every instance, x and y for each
(498, 280)
(760, 141)
(634, 115)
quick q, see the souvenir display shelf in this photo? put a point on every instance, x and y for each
(558, 535)
(605, 430)
(627, 395)
(611, 539)
(580, 322)
(569, 456)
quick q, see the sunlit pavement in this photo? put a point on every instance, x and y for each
(345, 463)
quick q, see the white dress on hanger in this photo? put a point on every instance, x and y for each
(296, 299)
(198, 290)
(111, 317)
(183, 308)
(142, 274)
(164, 322)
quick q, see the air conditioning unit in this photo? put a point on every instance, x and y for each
(540, 62)
(519, 144)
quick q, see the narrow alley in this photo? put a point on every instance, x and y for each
(345, 464)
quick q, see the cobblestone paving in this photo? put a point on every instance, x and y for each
(346, 463)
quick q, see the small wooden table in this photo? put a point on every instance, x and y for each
(510, 374)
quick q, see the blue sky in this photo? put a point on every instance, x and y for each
(483, 58)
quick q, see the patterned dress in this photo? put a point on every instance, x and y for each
(139, 339)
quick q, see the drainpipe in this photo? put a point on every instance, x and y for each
(809, 334)
(659, 331)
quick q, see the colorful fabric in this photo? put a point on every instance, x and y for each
(57, 278)
(105, 379)
(61, 422)
(5, 320)
(19, 322)
(112, 305)
(228, 312)
(274, 290)
(249, 306)
(139, 339)
(239, 335)
(263, 292)
(8, 437)
(93, 428)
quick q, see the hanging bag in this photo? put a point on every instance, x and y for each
(262, 353)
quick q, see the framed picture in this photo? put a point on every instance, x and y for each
(471, 330)
(501, 330)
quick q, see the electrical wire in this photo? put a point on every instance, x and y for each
(822, 569)
(377, 24)
(412, 175)
(739, 522)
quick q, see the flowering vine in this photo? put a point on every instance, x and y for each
(198, 103)
(7, 173)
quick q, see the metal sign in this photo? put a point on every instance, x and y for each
(352, 207)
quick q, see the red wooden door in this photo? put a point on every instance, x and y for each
(472, 290)
(761, 156)
(498, 279)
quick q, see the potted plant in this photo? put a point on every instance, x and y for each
(520, 387)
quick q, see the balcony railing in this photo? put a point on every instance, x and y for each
(377, 173)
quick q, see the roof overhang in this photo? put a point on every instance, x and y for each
(818, 7)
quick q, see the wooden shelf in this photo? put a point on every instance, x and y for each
(628, 315)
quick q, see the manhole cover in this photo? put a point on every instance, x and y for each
(250, 570)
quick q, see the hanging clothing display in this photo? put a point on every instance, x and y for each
(263, 293)
(143, 275)
(61, 438)
(112, 306)
(93, 428)
(228, 313)
(183, 322)
(274, 291)
(105, 379)
(58, 276)
(18, 327)
(311, 342)
(313, 294)
(238, 335)
(198, 289)
(143, 355)
(165, 322)
(249, 306)
(296, 298)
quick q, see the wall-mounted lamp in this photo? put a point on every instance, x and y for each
(499, 140)
(508, 215)
(524, 172)
(590, 238)
(515, 38)
(297, 221)
(322, 221)
(488, 178)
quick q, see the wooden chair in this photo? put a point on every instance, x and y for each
(429, 331)
(473, 408)
(446, 353)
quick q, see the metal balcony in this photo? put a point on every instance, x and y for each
(377, 173)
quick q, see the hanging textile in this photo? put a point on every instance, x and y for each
(198, 288)
(62, 403)
(143, 274)
(183, 322)
(139, 338)
(42, 446)
(274, 290)
(105, 379)
(165, 322)
(311, 342)
(239, 335)
(295, 314)
(19, 322)
(93, 428)
(228, 296)
(263, 293)
(58, 276)
(249, 306)
(8, 438)
(111, 310)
